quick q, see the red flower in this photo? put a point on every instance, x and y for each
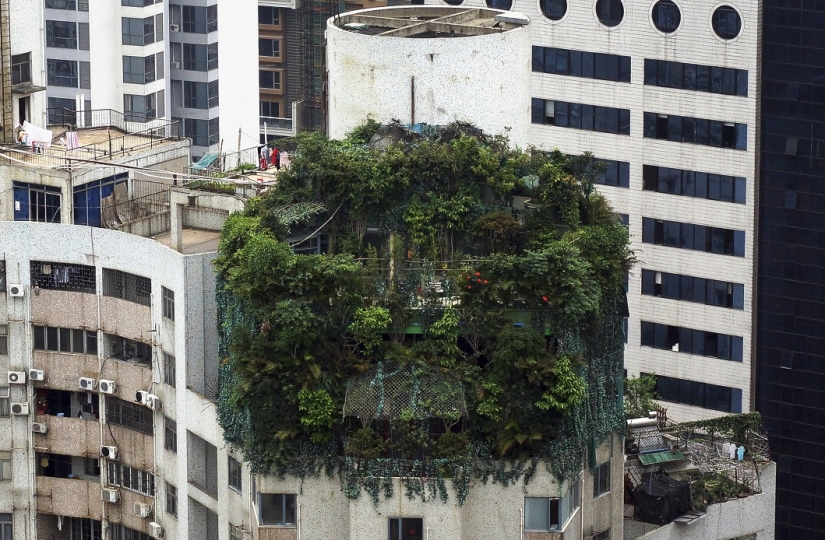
(478, 273)
(468, 277)
(544, 298)
(485, 282)
(478, 280)
(469, 286)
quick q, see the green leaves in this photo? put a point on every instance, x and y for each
(367, 326)
(318, 410)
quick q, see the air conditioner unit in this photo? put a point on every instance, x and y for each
(38, 427)
(175, 65)
(107, 387)
(17, 291)
(155, 530)
(109, 452)
(21, 409)
(141, 509)
(153, 402)
(109, 495)
(37, 375)
(87, 384)
(17, 377)
(141, 395)
(174, 28)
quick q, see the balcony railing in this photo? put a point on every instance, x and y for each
(276, 126)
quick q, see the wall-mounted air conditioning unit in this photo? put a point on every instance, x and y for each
(141, 509)
(21, 409)
(109, 495)
(109, 452)
(107, 387)
(155, 530)
(153, 402)
(17, 291)
(87, 384)
(175, 65)
(37, 375)
(174, 28)
(38, 427)
(140, 396)
(17, 377)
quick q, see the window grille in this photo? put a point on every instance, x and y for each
(130, 478)
(63, 277)
(129, 415)
(4, 339)
(126, 286)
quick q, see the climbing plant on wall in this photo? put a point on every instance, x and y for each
(448, 308)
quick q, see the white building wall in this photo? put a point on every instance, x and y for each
(27, 35)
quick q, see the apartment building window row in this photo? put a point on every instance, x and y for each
(142, 70)
(85, 529)
(130, 478)
(713, 79)
(202, 132)
(698, 394)
(63, 276)
(68, 73)
(615, 173)
(65, 34)
(194, 19)
(696, 131)
(121, 532)
(72, 5)
(589, 65)
(715, 187)
(551, 513)
(68, 340)
(129, 415)
(690, 341)
(710, 292)
(138, 108)
(581, 116)
(126, 286)
(694, 237)
(269, 16)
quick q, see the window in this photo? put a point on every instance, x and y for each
(269, 80)
(235, 477)
(666, 16)
(610, 12)
(138, 31)
(270, 16)
(2, 275)
(197, 130)
(608, 67)
(4, 402)
(169, 370)
(170, 434)
(199, 20)
(699, 394)
(579, 116)
(406, 529)
(62, 73)
(85, 529)
(61, 34)
(195, 58)
(688, 340)
(121, 532)
(6, 528)
(713, 79)
(168, 302)
(88, 199)
(70, 340)
(61, 4)
(269, 47)
(701, 185)
(136, 3)
(270, 109)
(126, 286)
(696, 131)
(276, 509)
(130, 478)
(139, 70)
(601, 479)
(195, 95)
(604, 535)
(171, 499)
(695, 237)
(140, 108)
(214, 130)
(551, 513)
(726, 22)
(500, 4)
(553, 9)
(212, 56)
(235, 532)
(4, 339)
(693, 289)
(63, 277)
(5, 465)
(615, 173)
(33, 202)
(21, 68)
(129, 415)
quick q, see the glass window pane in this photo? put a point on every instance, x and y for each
(536, 513)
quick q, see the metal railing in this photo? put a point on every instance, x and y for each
(276, 125)
(125, 212)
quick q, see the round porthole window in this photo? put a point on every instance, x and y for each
(610, 12)
(454, 2)
(553, 9)
(726, 22)
(500, 4)
(666, 16)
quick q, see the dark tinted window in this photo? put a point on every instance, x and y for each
(610, 12)
(552, 9)
(666, 16)
(726, 22)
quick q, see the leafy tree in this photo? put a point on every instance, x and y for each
(639, 393)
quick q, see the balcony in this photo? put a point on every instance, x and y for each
(64, 369)
(68, 497)
(66, 309)
(68, 436)
(124, 318)
(271, 125)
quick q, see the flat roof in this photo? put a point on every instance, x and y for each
(429, 21)
(195, 241)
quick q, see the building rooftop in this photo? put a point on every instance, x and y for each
(429, 21)
(195, 241)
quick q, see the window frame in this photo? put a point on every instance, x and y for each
(601, 479)
(54, 27)
(169, 369)
(168, 303)
(4, 340)
(21, 68)
(235, 474)
(171, 499)
(284, 498)
(129, 415)
(170, 435)
(401, 526)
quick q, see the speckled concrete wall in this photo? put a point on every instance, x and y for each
(63, 308)
(126, 319)
(68, 497)
(68, 436)
(482, 80)
(133, 448)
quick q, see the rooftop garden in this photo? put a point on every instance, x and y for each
(427, 306)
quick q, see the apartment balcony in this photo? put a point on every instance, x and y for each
(68, 436)
(288, 4)
(65, 309)
(64, 369)
(124, 318)
(271, 125)
(68, 497)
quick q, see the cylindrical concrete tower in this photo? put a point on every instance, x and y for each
(430, 64)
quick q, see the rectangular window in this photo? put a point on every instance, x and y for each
(170, 434)
(551, 513)
(138, 70)
(171, 499)
(695, 130)
(678, 339)
(62, 73)
(269, 80)
(235, 477)
(235, 532)
(121, 532)
(707, 239)
(722, 80)
(137, 108)
(63, 277)
(5, 465)
(269, 47)
(199, 20)
(212, 93)
(580, 116)
(276, 509)
(2, 275)
(214, 130)
(270, 109)
(270, 16)
(21, 68)
(126, 286)
(137, 3)
(693, 289)
(61, 4)
(195, 94)
(6, 529)
(138, 31)
(194, 57)
(130, 478)
(699, 394)
(129, 415)
(694, 184)
(4, 402)
(85, 529)
(615, 173)
(604, 535)
(4, 339)
(406, 529)
(601, 479)
(197, 130)
(606, 67)
(169, 370)
(168, 302)
(33, 202)
(47, 338)
(61, 34)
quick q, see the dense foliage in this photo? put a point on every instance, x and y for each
(498, 270)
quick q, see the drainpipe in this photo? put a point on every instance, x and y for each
(521, 523)
(299, 522)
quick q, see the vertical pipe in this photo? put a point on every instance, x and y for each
(521, 523)
(412, 101)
